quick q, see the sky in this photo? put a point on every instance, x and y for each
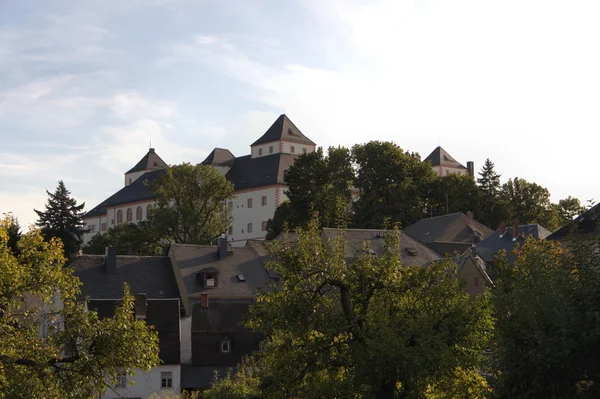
(87, 85)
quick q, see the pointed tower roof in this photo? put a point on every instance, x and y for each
(219, 156)
(150, 161)
(440, 157)
(283, 129)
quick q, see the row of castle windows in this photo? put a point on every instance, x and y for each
(292, 150)
(249, 228)
(129, 215)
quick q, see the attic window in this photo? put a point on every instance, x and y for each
(210, 279)
(241, 277)
(412, 251)
(226, 346)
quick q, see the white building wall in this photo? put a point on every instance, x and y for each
(242, 215)
(280, 146)
(146, 384)
(255, 151)
(186, 339)
(297, 148)
(131, 177)
(110, 218)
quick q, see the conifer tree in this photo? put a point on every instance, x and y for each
(62, 219)
(13, 230)
(489, 180)
(493, 210)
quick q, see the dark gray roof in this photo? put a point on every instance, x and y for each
(439, 157)
(202, 377)
(191, 259)
(219, 156)
(150, 161)
(488, 248)
(152, 275)
(283, 129)
(585, 223)
(136, 191)
(453, 232)
(413, 252)
(220, 317)
(248, 172)
(163, 314)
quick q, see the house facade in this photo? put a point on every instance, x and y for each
(258, 180)
(444, 164)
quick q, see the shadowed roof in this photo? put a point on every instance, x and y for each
(452, 228)
(150, 161)
(219, 156)
(283, 129)
(585, 223)
(248, 172)
(488, 248)
(440, 157)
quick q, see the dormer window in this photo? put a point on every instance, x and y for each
(260, 152)
(270, 149)
(225, 346)
(210, 279)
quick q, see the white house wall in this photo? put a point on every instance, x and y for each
(147, 384)
(259, 213)
(186, 340)
(284, 147)
(444, 171)
(131, 177)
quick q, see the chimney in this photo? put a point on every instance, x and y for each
(204, 301)
(151, 150)
(471, 169)
(515, 231)
(502, 229)
(222, 247)
(140, 306)
(110, 260)
(470, 214)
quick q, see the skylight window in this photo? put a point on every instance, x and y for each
(241, 277)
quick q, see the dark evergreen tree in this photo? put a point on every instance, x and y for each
(489, 180)
(14, 233)
(493, 209)
(62, 219)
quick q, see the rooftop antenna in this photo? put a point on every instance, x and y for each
(150, 144)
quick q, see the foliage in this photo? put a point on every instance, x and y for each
(284, 218)
(569, 208)
(547, 306)
(454, 193)
(241, 384)
(77, 354)
(62, 219)
(191, 203)
(139, 238)
(529, 203)
(392, 184)
(370, 329)
(493, 209)
(14, 232)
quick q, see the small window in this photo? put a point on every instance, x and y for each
(121, 379)
(270, 149)
(129, 214)
(249, 202)
(166, 379)
(210, 279)
(103, 227)
(138, 213)
(226, 346)
(263, 226)
(304, 150)
(259, 151)
(230, 231)
(264, 200)
(92, 228)
(292, 149)
(119, 216)
(476, 281)
(249, 227)
(148, 209)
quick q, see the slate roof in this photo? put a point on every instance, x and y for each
(585, 223)
(152, 275)
(488, 248)
(163, 314)
(248, 172)
(190, 259)
(440, 157)
(219, 156)
(150, 161)
(136, 191)
(408, 245)
(449, 233)
(283, 129)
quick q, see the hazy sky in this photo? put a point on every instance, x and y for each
(85, 84)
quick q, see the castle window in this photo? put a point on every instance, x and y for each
(103, 227)
(259, 152)
(304, 150)
(148, 208)
(129, 214)
(292, 149)
(249, 227)
(270, 149)
(249, 202)
(263, 226)
(119, 216)
(138, 213)
(225, 346)
(264, 200)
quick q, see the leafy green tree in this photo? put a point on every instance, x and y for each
(130, 239)
(77, 355)
(492, 209)
(62, 219)
(547, 307)
(393, 184)
(454, 193)
(529, 203)
(14, 232)
(191, 203)
(569, 208)
(370, 329)
(284, 216)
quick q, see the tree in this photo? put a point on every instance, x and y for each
(454, 193)
(14, 233)
(492, 209)
(547, 307)
(79, 354)
(140, 239)
(529, 203)
(283, 217)
(569, 208)
(369, 329)
(62, 219)
(392, 184)
(489, 180)
(191, 203)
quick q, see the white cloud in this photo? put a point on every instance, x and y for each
(135, 106)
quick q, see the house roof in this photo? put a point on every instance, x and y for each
(585, 223)
(220, 317)
(477, 261)
(219, 156)
(136, 191)
(191, 259)
(248, 172)
(152, 275)
(163, 314)
(150, 161)
(452, 228)
(283, 129)
(488, 248)
(440, 157)
(413, 252)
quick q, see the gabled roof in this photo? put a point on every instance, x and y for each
(283, 129)
(219, 156)
(150, 161)
(152, 275)
(585, 223)
(452, 228)
(440, 157)
(477, 261)
(488, 248)
(248, 172)
(136, 191)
